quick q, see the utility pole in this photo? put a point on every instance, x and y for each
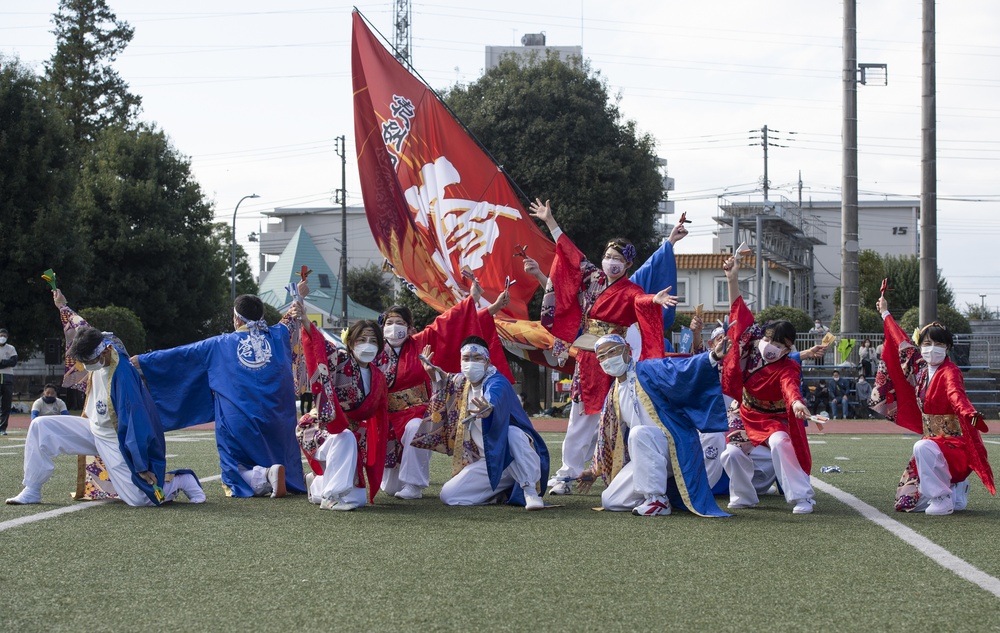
(849, 178)
(341, 150)
(763, 132)
(928, 173)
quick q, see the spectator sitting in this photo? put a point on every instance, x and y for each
(864, 391)
(838, 394)
(820, 395)
(49, 403)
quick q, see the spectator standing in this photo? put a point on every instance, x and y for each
(868, 360)
(864, 391)
(819, 331)
(8, 359)
(838, 387)
(49, 403)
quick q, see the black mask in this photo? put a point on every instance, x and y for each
(49, 399)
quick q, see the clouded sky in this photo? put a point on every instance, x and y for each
(255, 92)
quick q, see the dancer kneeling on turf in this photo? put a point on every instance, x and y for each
(656, 409)
(344, 435)
(759, 374)
(120, 424)
(920, 389)
(477, 419)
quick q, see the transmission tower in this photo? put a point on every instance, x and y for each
(403, 40)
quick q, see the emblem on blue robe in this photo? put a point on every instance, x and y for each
(254, 352)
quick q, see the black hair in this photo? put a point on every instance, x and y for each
(3, 330)
(780, 331)
(937, 333)
(86, 341)
(249, 307)
(624, 246)
(358, 327)
(475, 340)
(402, 311)
(52, 385)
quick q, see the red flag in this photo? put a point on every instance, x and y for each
(434, 200)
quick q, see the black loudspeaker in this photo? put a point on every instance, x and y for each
(53, 351)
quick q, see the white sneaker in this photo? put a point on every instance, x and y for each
(561, 488)
(409, 492)
(805, 506)
(531, 499)
(189, 485)
(740, 505)
(329, 503)
(310, 477)
(653, 507)
(941, 506)
(25, 498)
(276, 477)
(773, 490)
(337, 502)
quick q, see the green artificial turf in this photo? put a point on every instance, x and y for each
(285, 565)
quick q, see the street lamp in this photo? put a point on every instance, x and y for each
(232, 269)
(983, 297)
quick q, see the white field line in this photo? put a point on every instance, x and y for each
(922, 544)
(51, 514)
(991, 441)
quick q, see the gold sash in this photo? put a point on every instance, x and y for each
(763, 406)
(602, 328)
(942, 425)
(406, 398)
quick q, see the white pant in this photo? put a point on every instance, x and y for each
(415, 466)
(935, 477)
(645, 475)
(749, 475)
(712, 446)
(793, 480)
(52, 435)
(339, 454)
(471, 486)
(579, 444)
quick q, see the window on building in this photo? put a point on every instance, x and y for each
(681, 291)
(721, 291)
(324, 280)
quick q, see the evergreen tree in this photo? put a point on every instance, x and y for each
(37, 227)
(89, 37)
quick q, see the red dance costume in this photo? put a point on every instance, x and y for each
(765, 391)
(341, 404)
(580, 297)
(934, 406)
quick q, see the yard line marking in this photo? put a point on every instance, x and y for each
(991, 441)
(51, 514)
(41, 516)
(911, 537)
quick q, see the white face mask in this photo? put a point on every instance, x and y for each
(93, 366)
(365, 352)
(769, 352)
(933, 354)
(473, 371)
(614, 366)
(394, 333)
(612, 267)
(3, 340)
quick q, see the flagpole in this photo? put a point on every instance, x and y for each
(408, 66)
